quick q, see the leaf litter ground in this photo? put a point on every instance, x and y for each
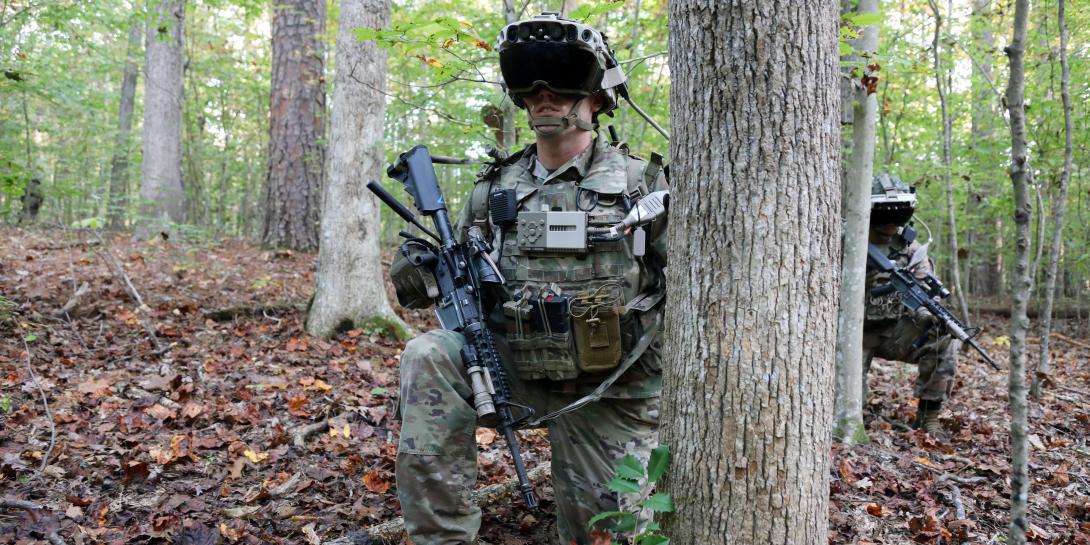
(176, 423)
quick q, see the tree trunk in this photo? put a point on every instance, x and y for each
(951, 222)
(848, 427)
(296, 129)
(119, 165)
(1058, 207)
(161, 194)
(1019, 173)
(983, 130)
(349, 281)
(753, 283)
(510, 112)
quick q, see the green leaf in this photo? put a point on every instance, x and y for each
(5, 404)
(378, 390)
(589, 10)
(630, 468)
(623, 486)
(660, 460)
(30, 338)
(652, 526)
(625, 524)
(608, 514)
(660, 503)
(845, 49)
(653, 539)
(865, 19)
(367, 34)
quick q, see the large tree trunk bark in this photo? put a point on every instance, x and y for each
(753, 283)
(161, 194)
(1019, 173)
(350, 288)
(119, 164)
(296, 125)
(848, 427)
(1058, 207)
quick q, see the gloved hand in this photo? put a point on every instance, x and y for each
(415, 286)
(923, 318)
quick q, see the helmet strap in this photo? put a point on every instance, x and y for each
(548, 125)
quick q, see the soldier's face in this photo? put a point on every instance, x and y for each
(545, 103)
(882, 234)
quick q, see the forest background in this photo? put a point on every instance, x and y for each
(63, 65)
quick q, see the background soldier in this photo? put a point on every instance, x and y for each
(569, 323)
(889, 330)
(32, 201)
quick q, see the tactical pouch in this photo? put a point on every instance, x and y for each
(596, 326)
(540, 339)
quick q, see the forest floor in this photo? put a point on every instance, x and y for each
(174, 424)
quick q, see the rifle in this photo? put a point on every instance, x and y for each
(914, 297)
(461, 270)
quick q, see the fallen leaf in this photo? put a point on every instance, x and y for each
(485, 436)
(255, 457)
(877, 510)
(375, 482)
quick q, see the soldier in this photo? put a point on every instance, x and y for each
(32, 201)
(569, 323)
(889, 330)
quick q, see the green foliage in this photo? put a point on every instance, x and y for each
(5, 404)
(633, 478)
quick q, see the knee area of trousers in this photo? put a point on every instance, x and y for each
(437, 343)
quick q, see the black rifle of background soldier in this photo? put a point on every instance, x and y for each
(459, 271)
(913, 296)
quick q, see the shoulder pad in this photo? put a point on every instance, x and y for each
(500, 159)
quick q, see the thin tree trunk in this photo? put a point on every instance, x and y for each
(951, 222)
(1019, 173)
(510, 112)
(296, 125)
(753, 285)
(1058, 207)
(349, 281)
(119, 165)
(161, 194)
(848, 427)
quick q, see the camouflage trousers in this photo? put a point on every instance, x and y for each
(936, 357)
(436, 465)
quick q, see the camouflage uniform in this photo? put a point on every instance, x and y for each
(437, 456)
(889, 332)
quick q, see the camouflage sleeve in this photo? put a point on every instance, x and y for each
(656, 231)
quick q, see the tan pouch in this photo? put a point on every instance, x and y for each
(596, 326)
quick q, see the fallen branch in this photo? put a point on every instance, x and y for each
(390, 532)
(942, 475)
(955, 496)
(74, 301)
(300, 435)
(48, 413)
(20, 504)
(77, 244)
(1069, 340)
(9, 503)
(230, 313)
(118, 270)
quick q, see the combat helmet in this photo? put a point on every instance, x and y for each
(564, 56)
(892, 202)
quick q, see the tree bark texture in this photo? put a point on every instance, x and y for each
(1019, 173)
(848, 427)
(119, 164)
(162, 198)
(1059, 206)
(296, 125)
(754, 277)
(349, 282)
(983, 119)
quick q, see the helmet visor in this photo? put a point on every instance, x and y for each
(891, 213)
(562, 67)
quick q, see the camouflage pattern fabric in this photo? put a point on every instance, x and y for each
(936, 359)
(890, 333)
(437, 456)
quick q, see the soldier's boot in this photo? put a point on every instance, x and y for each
(927, 417)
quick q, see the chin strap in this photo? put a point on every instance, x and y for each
(547, 125)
